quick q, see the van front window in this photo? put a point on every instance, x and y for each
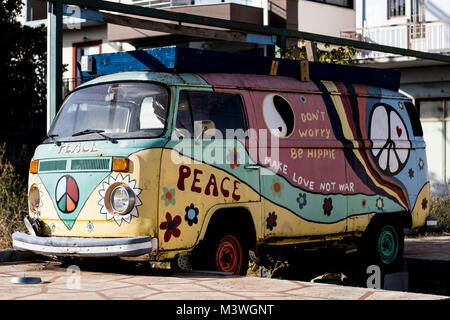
(113, 110)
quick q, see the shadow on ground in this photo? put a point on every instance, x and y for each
(337, 267)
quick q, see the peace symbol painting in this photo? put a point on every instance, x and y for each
(67, 194)
(350, 152)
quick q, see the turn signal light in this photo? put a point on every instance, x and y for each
(121, 165)
(34, 166)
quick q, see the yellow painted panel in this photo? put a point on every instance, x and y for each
(190, 192)
(93, 221)
(421, 208)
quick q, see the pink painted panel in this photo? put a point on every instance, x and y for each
(258, 82)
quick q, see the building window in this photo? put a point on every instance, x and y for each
(340, 3)
(79, 50)
(36, 10)
(396, 8)
(418, 29)
(435, 118)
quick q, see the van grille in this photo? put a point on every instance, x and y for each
(53, 165)
(89, 164)
(67, 165)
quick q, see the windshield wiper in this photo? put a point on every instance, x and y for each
(52, 137)
(99, 132)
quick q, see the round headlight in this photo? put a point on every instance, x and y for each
(122, 199)
(34, 198)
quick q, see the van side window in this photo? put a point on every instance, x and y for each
(414, 117)
(211, 112)
(184, 124)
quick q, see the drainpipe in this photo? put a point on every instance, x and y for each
(265, 7)
(444, 146)
(363, 18)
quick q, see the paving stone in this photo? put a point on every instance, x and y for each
(132, 292)
(157, 285)
(184, 287)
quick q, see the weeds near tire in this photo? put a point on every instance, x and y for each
(13, 201)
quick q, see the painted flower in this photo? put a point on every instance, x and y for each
(90, 227)
(110, 183)
(363, 203)
(421, 164)
(168, 195)
(171, 227)
(327, 206)
(411, 173)
(191, 214)
(233, 158)
(380, 204)
(271, 221)
(424, 203)
(301, 199)
(276, 187)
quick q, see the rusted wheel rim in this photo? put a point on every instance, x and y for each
(229, 255)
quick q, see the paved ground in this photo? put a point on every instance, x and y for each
(429, 248)
(61, 284)
(161, 284)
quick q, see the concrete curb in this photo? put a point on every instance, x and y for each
(15, 255)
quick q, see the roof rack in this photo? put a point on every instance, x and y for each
(187, 60)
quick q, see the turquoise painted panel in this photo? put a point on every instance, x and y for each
(78, 149)
(69, 192)
(315, 207)
(163, 77)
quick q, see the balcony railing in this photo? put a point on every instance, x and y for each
(431, 36)
(160, 4)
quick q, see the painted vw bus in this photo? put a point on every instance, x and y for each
(202, 157)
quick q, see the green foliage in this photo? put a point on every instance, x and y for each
(10, 10)
(336, 55)
(22, 75)
(13, 201)
(440, 207)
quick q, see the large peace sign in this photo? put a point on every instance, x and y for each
(67, 194)
(390, 140)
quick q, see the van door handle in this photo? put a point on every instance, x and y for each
(252, 167)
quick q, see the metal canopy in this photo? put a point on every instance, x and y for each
(240, 29)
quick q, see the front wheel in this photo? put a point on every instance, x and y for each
(231, 254)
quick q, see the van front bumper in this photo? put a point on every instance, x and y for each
(84, 247)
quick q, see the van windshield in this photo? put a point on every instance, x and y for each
(113, 110)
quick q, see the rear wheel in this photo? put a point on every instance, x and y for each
(383, 244)
(388, 245)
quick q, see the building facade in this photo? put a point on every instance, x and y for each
(83, 37)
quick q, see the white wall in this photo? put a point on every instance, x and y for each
(324, 19)
(86, 35)
(376, 13)
(437, 9)
(432, 134)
